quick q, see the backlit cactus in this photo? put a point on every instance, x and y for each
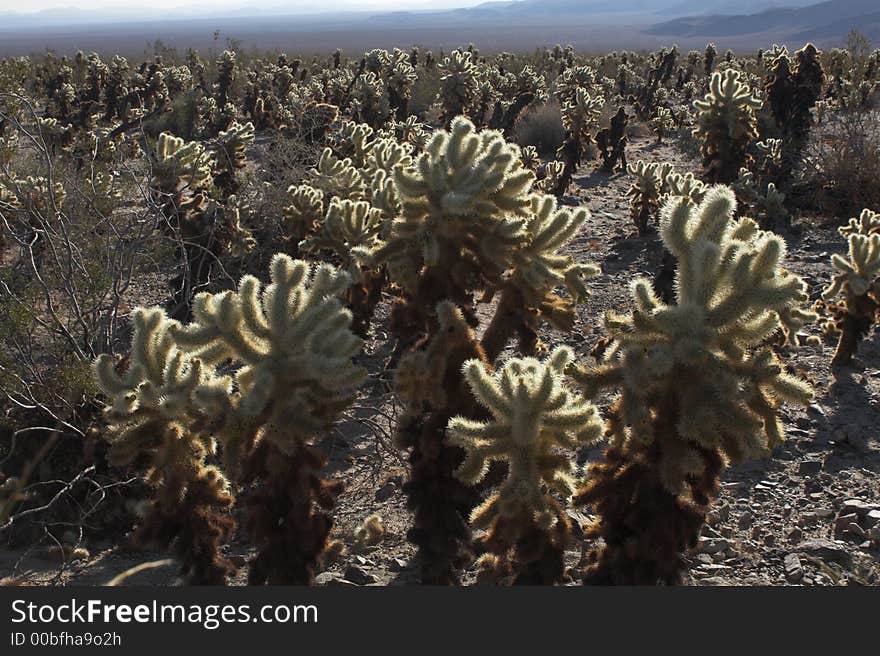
(293, 341)
(697, 387)
(538, 268)
(580, 118)
(230, 156)
(534, 416)
(856, 278)
(458, 85)
(153, 416)
(726, 125)
(644, 194)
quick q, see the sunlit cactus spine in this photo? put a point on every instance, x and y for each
(155, 420)
(697, 388)
(534, 415)
(856, 279)
(726, 126)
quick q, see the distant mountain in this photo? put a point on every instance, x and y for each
(825, 21)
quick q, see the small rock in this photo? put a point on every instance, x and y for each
(794, 573)
(826, 550)
(815, 409)
(327, 578)
(844, 522)
(719, 515)
(824, 513)
(745, 519)
(385, 492)
(872, 519)
(712, 545)
(795, 534)
(358, 576)
(857, 507)
(397, 565)
(808, 518)
(809, 467)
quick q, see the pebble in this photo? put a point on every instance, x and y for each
(794, 573)
(826, 550)
(845, 524)
(358, 576)
(809, 467)
(712, 545)
(397, 564)
(808, 518)
(385, 492)
(857, 507)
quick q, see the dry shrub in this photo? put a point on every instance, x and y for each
(843, 165)
(541, 127)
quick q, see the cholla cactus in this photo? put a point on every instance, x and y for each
(348, 224)
(662, 123)
(534, 415)
(180, 167)
(726, 125)
(856, 278)
(293, 343)
(153, 415)
(530, 158)
(464, 202)
(528, 293)
(612, 142)
(338, 177)
(230, 156)
(370, 103)
(552, 180)
(686, 186)
(351, 225)
(580, 117)
(458, 85)
(697, 387)
(303, 211)
(226, 70)
(644, 194)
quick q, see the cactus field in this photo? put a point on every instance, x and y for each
(415, 317)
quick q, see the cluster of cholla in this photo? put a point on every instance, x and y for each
(172, 404)
(440, 214)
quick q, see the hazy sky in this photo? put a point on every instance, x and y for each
(39, 5)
